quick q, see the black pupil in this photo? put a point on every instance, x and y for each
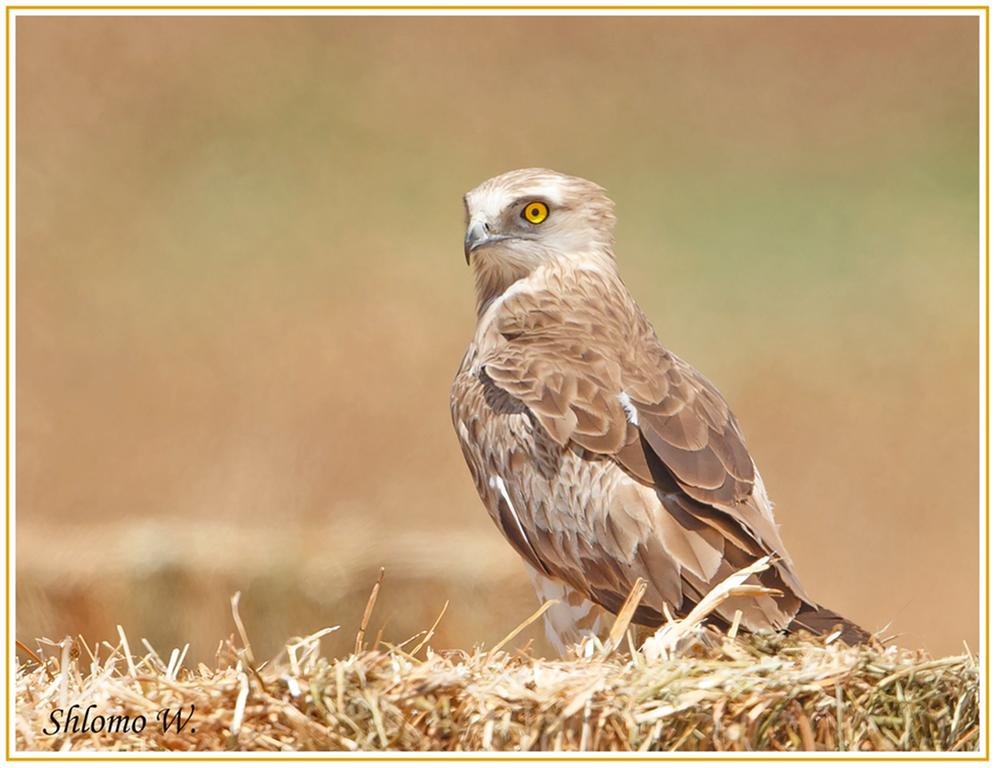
(535, 212)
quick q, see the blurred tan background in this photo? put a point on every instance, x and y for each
(241, 298)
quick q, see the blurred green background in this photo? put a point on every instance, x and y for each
(241, 298)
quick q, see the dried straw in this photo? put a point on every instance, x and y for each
(689, 688)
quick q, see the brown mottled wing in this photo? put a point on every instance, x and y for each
(584, 360)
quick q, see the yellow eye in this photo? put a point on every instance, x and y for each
(535, 212)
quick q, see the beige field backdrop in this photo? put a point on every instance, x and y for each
(241, 298)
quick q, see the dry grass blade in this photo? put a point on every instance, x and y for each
(511, 635)
(368, 612)
(241, 628)
(239, 712)
(309, 644)
(625, 616)
(127, 651)
(428, 635)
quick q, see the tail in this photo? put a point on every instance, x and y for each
(823, 621)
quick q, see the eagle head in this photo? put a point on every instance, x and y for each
(523, 218)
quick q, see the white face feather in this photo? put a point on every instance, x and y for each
(487, 202)
(579, 220)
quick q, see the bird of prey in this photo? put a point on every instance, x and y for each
(602, 456)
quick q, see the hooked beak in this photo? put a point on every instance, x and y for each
(478, 234)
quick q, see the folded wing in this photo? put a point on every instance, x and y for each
(684, 506)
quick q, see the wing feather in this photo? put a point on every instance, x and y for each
(572, 358)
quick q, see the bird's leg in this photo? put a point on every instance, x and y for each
(573, 620)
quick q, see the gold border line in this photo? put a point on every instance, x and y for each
(501, 7)
(955, 757)
(987, 609)
(6, 370)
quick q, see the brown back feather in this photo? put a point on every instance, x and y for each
(573, 354)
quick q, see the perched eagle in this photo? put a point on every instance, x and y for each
(601, 456)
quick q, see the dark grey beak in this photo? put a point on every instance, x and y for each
(477, 233)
